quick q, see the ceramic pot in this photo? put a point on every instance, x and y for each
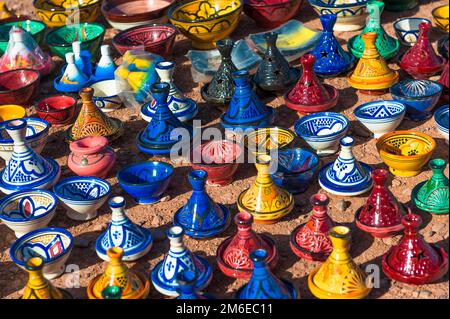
(57, 110)
(440, 17)
(34, 27)
(442, 121)
(407, 30)
(11, 112)
(187, 280)
(105, 68)
(106, 96)
(73, 78)
(445, 81)
(267, 140)
(271, 13)
(18, 86)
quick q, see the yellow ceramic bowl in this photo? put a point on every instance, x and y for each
(405, 152)
(11, 112)
(440, 17)
(263, 140)
(206, 21)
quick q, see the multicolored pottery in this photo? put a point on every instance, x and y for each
(57, 110)
(271, 13)
(441, 117)
(400, 5)
(266, 140)
(441, 17)
(34, 27)
(407, 30)
(18, 86)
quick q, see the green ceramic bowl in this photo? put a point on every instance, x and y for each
(89, 34)
(37, 30)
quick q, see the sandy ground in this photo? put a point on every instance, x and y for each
(365, 249)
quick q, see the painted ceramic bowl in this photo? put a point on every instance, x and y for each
(154, 38)
(145, 181)
(58, 13)
(441, 119)
(53, 245)
(26, 211)
(11, 112)
(264, 140)
(89, 34)
(419, 96)
(271, 13)
(440, 17)
(206, 21)
(295, 169)
(407, 30)
(106, 96)
(126, 14)
(405, 152)
(37, 134)
(82, 196)
(57, 110)
(34, 27)
(18, 86)
(322, 131)
(380, 117)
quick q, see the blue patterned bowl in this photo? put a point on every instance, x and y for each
(441, 119)
(322, 131)
(407, 30)
(82, 196)
(146, 181)
(53, 245)
(419, 96)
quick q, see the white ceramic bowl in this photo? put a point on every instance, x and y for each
(407, 30)
(441, 119)
(106, 96)
(128, 25)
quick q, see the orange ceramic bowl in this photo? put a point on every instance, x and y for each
(11, 112)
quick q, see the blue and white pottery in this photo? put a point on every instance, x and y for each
(82, 196)
(73, 78)
(179, 258)
(380, 117)
(145, 181)
(26, 169)
(122, 232)
(36, 136)
(407, 30)
(106, 97)
(201, 217)
(295, 169)
(441, 119)
(322, 131)
(105, 68)
(82, 59)
(53, 245)
(27, 210)
(346, 176)
(419, 96)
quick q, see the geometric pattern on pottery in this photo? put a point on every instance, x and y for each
(47, 246)
(346, 172)
(339, 7)
(436, 197)
(381, 110)
(83, 190)
(321, 126)
(33, 128)
(313, 241)
(417, 88)
(408, 146)
(176, 262)
(292, 161)
(127, 238)
(28, 206)
(213, 216)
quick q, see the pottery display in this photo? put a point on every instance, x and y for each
(18, 86)
(266, 140)
(106, 96)
(186, 280)
(11, 112)
(105, 68)
(444, 80)
(271, 13)
(34, 27)
(407, 30)
(433, 195)
(442, 121)
(405, 152)
(413, 260)
(73, 79)
(400, 5)
(440, 17)
(57, 109)
(233, 254)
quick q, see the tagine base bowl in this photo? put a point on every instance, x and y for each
(187, 114)
(118, 131)
(378, 232)
(142, 295)
(303, 109)
(426, 207)
(289, 286)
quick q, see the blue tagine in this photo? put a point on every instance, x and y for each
(187, 280)
(73, 78)
(134, 240)
(179, 258)
(26, 169)
(331, 58)
(159, 136)
(201, 217)
(346, 176)
(263, 283)
(105, 68)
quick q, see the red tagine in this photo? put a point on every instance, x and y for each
(414, 261)
(310, 240)
(233, 254)
(444, 81)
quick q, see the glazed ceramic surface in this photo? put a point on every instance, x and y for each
(442, 121)
(73, 78)
(268, 139)
(105, 68)
(186, 281)
(271, 13)
(57, 109)
(407, 30)
(11, 112)
(440, 17)
(34, 27)
(18, 86)
(106, 96)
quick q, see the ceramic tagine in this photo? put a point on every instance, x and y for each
(433, 195)
(82, 58)
(117, 275)
(179, 258)
(421, 61)
(263, 284)
(413, 260)
(309, 95)
(73, 78)
(311, 240)
(381, 215)
(264, 200)
(105, 68)
(339, 277)
(182, 107)
(233, 254)
(186, 280)
(135, 241)
(346, 176)
(26, 169)
(331, 58)
(372, 75)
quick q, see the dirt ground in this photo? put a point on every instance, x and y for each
(365, 249)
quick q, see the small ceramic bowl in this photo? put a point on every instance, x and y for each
(11, 112)
(89, 34)
(407, 30)
(405, 152)
(441, 119)
(58, 13)
(264, 140)
(146, 181)
(57, 110)
(82, 196)
(271, 13)
(53, 245)
(380, 117)
(440, 17)
(205, 21)
(419, 96)
(34, 27)
(295, 169)
(106, 96)
(18, 86)
(322, 131)
(26, 211)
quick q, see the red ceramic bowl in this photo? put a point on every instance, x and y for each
(18, 86)
(134, 11)
(57, 109)
(271, 13)
(154, 38)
